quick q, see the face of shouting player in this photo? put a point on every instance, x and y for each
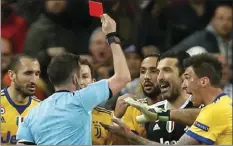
(169, 78)
(26, 76)
(148, 77)
(193, 85)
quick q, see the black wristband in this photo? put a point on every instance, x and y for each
(113, 38)
(112, 34)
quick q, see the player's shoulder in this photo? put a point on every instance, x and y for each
(102, 110)
(3, 96)
(35, 99)
(224, 105)
(3, 93)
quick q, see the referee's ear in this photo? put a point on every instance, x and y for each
(93, 80)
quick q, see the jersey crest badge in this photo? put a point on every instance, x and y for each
(170, 126)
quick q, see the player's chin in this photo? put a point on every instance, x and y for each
(30, 92)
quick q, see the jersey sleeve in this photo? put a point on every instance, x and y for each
(24, 132)
(93, 94)
(211, 122)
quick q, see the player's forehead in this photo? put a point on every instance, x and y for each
(167, 63)
(149, 62)
(189, 71)
(28, 64)
(85, 69)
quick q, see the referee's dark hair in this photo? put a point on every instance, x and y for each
(15, 61)
(180, 56)
(62, 67)
(206, 65)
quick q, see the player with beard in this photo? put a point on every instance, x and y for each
(148, 80)
(18, 99)
(169, 69)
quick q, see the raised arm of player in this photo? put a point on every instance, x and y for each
(184, 116)
(122, 74)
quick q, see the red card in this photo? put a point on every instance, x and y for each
(95, 8)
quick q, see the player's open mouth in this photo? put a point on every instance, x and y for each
(148, 86)
(164, 87)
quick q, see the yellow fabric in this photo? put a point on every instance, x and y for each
(100, 136)
(10, 117)
(130, 119)
(217, 121)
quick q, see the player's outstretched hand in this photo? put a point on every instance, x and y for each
(118, 128)
(121, 105)
(146, 114)
(108, 24)
(149, 113)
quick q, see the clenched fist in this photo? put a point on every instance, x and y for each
(108, 24)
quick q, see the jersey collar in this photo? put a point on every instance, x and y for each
(218, 97)
(19, 108)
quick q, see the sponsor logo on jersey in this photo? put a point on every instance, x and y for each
(156, 127)
(167, 142)
(3, 120)
(8, 138)
(201, 126)
(2, 110)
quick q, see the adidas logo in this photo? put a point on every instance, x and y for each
(3, 120)
(156, 127)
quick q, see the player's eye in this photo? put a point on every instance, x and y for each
(142, 71)
(28, 72)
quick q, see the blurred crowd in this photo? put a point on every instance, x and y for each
(46, 28)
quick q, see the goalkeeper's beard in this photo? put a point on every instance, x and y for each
(154, 93)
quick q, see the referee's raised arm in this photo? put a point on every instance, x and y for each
(122, 74)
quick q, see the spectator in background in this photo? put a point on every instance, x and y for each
(166, 22)
(146, 50)
(13, 27)
(65, 25)
(99, 48)
(101, 54)
(226, 75)
(216, 37)
(6, 55)
(134, 60)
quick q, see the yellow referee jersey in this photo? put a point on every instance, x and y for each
(214, 123)
(100, 136)
(12, 115)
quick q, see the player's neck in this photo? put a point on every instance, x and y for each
(16, 96)
(211, 95)
(176, 104)
(153, 100)
(64, 87)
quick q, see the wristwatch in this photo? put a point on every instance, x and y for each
(113, 38)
